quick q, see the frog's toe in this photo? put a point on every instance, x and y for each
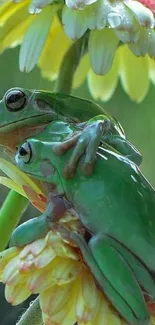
(61, 147)
(86, 147)
(71, 166)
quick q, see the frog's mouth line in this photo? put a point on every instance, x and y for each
(20, 122)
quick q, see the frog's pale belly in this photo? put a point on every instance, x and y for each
(119, 202)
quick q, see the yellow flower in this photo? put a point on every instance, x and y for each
(54, 270)
(45, 41)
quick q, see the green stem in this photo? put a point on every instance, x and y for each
(69, 65)
(33, 315)
(10, 214)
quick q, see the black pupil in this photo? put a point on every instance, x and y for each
(22, 151)
(15, 100)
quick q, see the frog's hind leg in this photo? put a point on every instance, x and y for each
(114, 277)
(141, 272)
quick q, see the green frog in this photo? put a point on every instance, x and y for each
(24, 113)
(116, 208)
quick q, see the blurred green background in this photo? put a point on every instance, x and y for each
(138, 121)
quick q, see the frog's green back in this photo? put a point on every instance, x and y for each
(75, 107)
(117, 200)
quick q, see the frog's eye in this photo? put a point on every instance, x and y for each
(25, 152)
(15, 100)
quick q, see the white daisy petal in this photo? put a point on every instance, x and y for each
(102, 47)
(35, 39)
(37, 5)
(141, 47)
(151, 49)
(103, 87)
(127, 37)
(74, 22)
(79, 4)
(143, 14)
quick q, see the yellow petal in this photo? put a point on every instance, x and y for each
(60, 248)
(15, 35)
(6, 256)
(10, 269)
(65, 315)
(53, 51)
(65, 270)
(41, 279)
(133, 74)
(16, 294)
(27, 264)
(12, 185)
(152, 69)
(103, 313)
(55, 298)
(15, 16)
(103, 87)
(81, 72)
(14, 279)
(34, 248)
(90, 293)
(11, 10)
(44, 258)
(18, 176)
(113, 318)
(87, 301)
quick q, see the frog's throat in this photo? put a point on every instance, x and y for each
(26, 122)
(11, 139)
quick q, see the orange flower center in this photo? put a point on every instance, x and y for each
(149, 4)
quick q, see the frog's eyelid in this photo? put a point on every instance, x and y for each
(30, 148)
(19, 102)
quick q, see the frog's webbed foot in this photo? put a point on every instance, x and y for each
(38, 227)
(85, 143)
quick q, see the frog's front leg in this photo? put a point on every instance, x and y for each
(124, 147)
(38, 227)
(85, 143)
(113, 275)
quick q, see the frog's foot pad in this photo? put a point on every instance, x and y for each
(87, 145)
